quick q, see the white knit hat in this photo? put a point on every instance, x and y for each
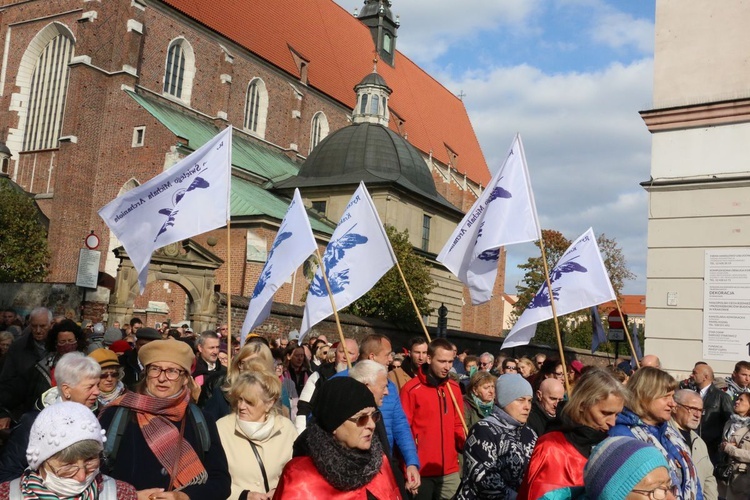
(59, 426)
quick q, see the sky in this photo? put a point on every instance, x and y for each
(570, 76)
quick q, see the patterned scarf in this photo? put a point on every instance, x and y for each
(676, 452)
(155, 417)
(484, 408)
(32, 488)
(736, 423)
(106, 398)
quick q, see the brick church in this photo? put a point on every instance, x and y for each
(98, 96)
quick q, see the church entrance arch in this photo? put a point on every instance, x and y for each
(185, 263)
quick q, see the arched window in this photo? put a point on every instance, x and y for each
(179, 70)
(47, 90)
(256, 107)
(363, 108)
(319, 129)
(375, 103)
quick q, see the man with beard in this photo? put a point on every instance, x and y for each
(408, 370)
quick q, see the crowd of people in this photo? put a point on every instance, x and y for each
(92, 411)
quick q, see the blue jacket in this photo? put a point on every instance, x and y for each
(677, 452)
(396, 425)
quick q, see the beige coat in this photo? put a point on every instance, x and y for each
(275, 452)
(703, 465)
(739, 483)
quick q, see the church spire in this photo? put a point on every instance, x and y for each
(377, 15)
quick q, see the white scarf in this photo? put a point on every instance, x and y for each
(735, 423)
(257, 431)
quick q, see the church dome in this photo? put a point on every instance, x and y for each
(373, 79)
(366, 152)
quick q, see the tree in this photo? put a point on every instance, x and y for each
(23, 244)
(388, 299)
(576, 328)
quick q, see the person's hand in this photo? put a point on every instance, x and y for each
(4, 422)
(147, 494)
(253, 495)
(195, 389)
(413, 480)
(168, 495)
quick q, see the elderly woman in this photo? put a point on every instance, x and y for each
(78, 381)
(480, 397)
(64, 337)
(561, 453)
(256, 424)
(736, 446)
(110, 380)
(622, 468)
(646, 417)
(499, 446)
(252, 353)
(343, 457)
(158, 439)
(67, 466)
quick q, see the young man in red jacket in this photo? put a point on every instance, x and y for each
(435, 423)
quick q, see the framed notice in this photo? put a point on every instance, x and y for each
(88, 268)
(726, 304)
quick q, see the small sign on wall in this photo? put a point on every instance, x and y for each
(88, 268)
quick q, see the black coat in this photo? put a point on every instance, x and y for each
(133, 372)
(136, 463)
(13, 457)
(717, 407)
(21, 358)
(538, 420)
(211, 378)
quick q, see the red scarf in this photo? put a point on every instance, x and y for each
(155, 417)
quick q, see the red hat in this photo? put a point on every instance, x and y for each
(577, 366)
(120, 347)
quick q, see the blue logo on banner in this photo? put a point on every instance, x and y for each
(334, 253)
(265, 274)
(171, 213)
(542, 298)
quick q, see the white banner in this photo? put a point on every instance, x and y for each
(504, 214)
(358, 255)
(190, 198)
(293, 244)
(579, 280)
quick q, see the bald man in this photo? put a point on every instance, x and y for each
(651, 360)
(717, 406)
(686, 418)
(544, 408)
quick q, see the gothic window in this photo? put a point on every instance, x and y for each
(179, 70)
(375, 105)
(426, 221)
(363, 107)
(49, 85)
(319, 129)
(256, 107)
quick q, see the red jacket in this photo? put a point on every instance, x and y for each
(302, 481)
(555, 463)
(435, 425)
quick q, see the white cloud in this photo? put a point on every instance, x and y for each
(619, 30)
(586, 145)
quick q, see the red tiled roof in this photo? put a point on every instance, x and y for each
(632, 305)
(340, 51)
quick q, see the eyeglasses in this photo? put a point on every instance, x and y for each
(659, 493)
(362, 420)
(105, 375)
(172, 374)
(67, 342)
(70, 470)
(511, 368)
(559, 374)
(693, 409)
(485, 364)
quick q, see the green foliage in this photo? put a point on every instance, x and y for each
(388, 299)
(23, 242)
(576, 328)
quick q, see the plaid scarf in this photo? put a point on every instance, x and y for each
(32, 488)
(155, 417)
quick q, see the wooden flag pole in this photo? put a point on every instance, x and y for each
(627, 334)
(554, 315)
(458, 408)
(333, 306)
(229, 292)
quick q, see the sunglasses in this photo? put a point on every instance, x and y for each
(362, 420)
(109, 375)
